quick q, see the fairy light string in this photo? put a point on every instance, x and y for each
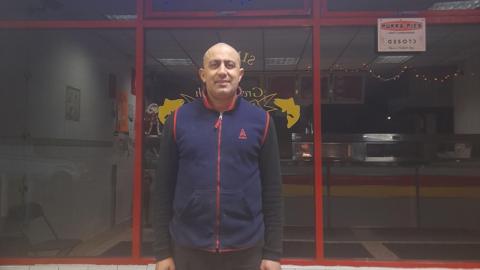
(441, 78)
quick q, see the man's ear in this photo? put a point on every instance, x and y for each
(201, 74)
(242, 71)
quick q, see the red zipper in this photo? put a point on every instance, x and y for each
(218, 126)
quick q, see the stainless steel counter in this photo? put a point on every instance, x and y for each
(391, 148)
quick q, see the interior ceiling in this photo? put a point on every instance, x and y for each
(347, 47)
(259, 43)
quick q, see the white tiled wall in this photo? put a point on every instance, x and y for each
(152, 267)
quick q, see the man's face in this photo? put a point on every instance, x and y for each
(221, 71)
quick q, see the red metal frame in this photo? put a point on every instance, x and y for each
(320, 18)
(151, 13)
(233, 23)
(138, 167)
(317, 140)
(66, 24)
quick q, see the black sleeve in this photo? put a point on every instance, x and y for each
(272, 196)
(163, 191)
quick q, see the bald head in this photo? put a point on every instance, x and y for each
(221, 47)
(221, 74)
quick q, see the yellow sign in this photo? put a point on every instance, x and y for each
(289, 107)
(255, 96)
(167, 108)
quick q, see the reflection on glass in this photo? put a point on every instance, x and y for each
(399, 5)
(277, 65)
(231, 5)
(66, 143)
(67, 10)
(401, 162)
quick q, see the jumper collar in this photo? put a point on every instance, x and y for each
(208, 105)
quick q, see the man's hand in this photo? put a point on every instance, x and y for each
(270, 265)
(166, 264)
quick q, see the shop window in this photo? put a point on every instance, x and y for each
(401, 6)
(227, 8)
(401, 163)
(278, 78)
(67, 10)
(66, 143)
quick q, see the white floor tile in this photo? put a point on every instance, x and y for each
(132, 267)
(13, 267)
(102, 267)
(151, 267)
(44, 267)
(73, 267)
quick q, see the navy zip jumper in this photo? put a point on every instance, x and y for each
(225, 183)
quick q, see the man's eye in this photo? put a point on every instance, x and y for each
(214, 64)
(230, 65)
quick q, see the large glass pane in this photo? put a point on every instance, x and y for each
(277, 78)
(226, 8)
(399, 5)
(66, 142)
(401, 142)
(67, 10)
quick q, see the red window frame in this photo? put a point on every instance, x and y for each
(319, 19)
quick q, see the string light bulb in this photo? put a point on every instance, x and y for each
(396, 76)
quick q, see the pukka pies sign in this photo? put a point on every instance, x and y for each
(401, 35)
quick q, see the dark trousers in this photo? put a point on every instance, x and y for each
(193, 259)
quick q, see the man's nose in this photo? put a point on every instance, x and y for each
(222, 69)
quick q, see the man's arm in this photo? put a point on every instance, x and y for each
(272, 196)
(163, 191)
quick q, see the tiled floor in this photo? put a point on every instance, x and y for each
(403, 244)
(102, 243)
(371, 244)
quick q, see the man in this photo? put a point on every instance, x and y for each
(217, 196)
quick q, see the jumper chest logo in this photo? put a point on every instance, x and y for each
(256, 96)
(243, 135)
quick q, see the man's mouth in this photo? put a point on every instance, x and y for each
(222, 82)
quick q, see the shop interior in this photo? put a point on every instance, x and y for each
(400, 137)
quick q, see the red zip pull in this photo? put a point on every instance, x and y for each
(219, 121)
